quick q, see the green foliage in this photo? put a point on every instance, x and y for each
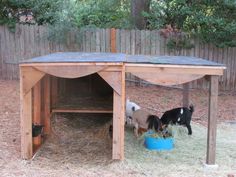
(102, 14)
(211, 21)
(43, 12)
(10, 10)
(46, 11)
(178, 44)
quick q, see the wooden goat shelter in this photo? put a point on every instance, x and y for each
(48, 84)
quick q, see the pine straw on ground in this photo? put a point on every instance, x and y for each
(79, 146)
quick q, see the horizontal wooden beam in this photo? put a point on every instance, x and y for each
(70, 71)
(66, 110)
(167, 79)
(174, 69)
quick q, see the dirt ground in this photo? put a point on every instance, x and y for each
(58, 163)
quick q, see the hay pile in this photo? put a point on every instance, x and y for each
(188, 156)
(77, 146)
(79, 137)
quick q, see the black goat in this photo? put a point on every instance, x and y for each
(37, 130)
(154, 122)
(180, 116)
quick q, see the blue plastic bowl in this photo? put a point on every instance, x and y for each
(157, 143)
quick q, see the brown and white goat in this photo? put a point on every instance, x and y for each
(143, 121)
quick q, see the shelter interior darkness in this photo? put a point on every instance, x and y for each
(88, 92)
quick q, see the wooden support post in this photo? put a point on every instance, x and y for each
(212, 120)
(37, 112)
(185, 94)
(54, 91)
(26, 120)
(113, 40)
(118, 120)
(47, 106)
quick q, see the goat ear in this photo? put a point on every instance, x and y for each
(133, 108)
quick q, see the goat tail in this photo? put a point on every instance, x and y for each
(153, 122)
(191, 108)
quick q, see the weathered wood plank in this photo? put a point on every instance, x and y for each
(72, 71)
(90, 111)
(26, 121)
(98, 40)
(132, 42)
(147, 46)
(118, 120)
(118, 43)
(47, 105)
(152, 42)
(54, 91)
(1, 52)
(212, 120)
(143, 42)
(30, 77)
(167, 79)
(173, 69)
(157, 43)
(113, 40)
(107, 40)
(122, 41)
(127, 41)
(138, 42)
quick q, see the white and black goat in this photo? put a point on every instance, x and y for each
(181, 116)
(131, 107)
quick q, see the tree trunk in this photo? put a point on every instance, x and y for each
(137, 7)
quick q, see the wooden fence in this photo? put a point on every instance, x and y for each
(31, 41)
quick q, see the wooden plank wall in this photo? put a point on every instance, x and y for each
(31, 41)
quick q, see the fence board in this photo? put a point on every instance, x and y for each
(1, 51)
(107, 40)
(118, 41)
(137, 42)
(98, 40)
(127, 42)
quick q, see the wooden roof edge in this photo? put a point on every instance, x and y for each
(175, 65)
(73, 63)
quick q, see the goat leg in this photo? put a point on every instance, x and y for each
(189, 129)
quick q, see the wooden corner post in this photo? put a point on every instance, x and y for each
(29, 76)
(212, 120)
(26, 120)
(47, 104)
(119, 118)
